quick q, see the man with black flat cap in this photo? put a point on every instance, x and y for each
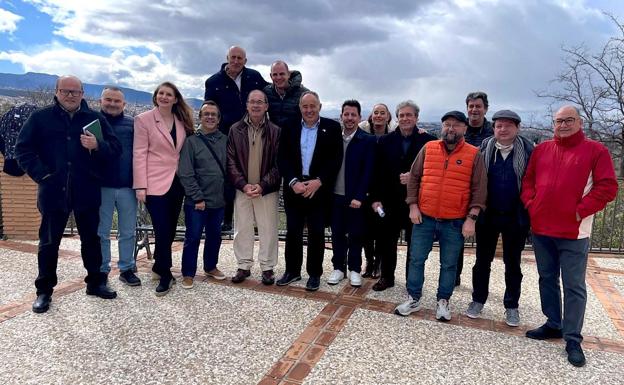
(445, 193)
(506, 155)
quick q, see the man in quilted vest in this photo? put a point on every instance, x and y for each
(446, 191)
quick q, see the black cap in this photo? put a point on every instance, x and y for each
(457, 115)
(507, 114)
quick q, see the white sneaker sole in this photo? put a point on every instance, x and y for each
(443, 318)
(473, 316)
(334, 282)
(412, 310)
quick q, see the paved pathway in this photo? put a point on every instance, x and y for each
(221, 333)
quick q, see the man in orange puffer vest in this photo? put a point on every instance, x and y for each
(446, 192)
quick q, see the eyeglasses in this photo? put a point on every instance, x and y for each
(210, 114)
(567, 121)
(256, 102)
(70, 92)
(454, 125)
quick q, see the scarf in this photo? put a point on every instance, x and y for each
(520, 157)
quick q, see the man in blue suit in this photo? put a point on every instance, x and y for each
(349, 192)
(309, 157)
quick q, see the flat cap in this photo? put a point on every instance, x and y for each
(457, 115)
(506, 114)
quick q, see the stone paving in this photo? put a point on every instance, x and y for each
(221, 333)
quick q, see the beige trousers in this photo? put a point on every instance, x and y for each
(263, 211)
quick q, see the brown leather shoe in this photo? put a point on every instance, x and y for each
(241, 275)
(268, 277)
(383, 284)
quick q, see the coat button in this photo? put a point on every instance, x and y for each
(69, 138)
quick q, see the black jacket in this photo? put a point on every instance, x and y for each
(390, 162)
(49, 150)
(232, 102)
(283, 110)
(326, 160)
(118, 171)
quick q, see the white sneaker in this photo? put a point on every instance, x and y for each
(335, 277)
(443, 310)
(355, 279)
(408, 307)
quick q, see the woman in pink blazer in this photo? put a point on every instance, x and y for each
(158, 138)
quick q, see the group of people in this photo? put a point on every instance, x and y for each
(368, 180)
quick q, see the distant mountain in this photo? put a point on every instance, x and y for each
(10, 84)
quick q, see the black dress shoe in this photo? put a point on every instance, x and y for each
(383, 284)
(241, 275)
(101, 291)
(313, 283)
(544, 332)
(287, 279)
(368, 271)
(129, 278)
(42, 303)
(575, 354)
(268, 277)
(164, 286)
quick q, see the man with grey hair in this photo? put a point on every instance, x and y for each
(117, 192)
(229, 88)
(395, 154)
(568, 180)
(284, 94)
(252, 169)
(310, 155)
(60, 149)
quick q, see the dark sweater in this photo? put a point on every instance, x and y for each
(118, 172)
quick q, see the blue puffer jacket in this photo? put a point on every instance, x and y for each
(232, 102)
(118, 172)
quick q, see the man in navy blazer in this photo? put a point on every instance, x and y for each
(350, 191)
(309, 157)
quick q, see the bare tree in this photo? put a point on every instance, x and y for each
(40, 96)
(594, 82)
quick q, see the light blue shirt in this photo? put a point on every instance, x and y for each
(308, 142)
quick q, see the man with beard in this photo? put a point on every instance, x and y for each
(446, 191)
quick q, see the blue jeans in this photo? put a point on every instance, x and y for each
(449, 234)
(124, 199)
(564, 259)
(196, 221)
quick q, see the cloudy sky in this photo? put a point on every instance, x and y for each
(433, 52)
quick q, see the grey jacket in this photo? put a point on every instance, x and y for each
(199, 172)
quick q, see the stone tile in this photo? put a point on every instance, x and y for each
(597, 321)
(404, 350)
(210, 334)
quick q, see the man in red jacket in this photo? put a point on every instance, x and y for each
(568, 180)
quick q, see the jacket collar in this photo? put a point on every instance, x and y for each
(570, 141)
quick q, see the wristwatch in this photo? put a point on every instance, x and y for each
(474, 217)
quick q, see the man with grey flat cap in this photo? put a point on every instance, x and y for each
(506, 155)
(445, 193)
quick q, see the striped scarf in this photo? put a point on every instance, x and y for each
(520, 159)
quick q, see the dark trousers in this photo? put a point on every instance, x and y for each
(393, 223)
(196, 221)
(489, 227)
(164, 211)
(565, 258)
(460, 264)
(347, 227)
(371, 241)
(50, 234)
(311, 213)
